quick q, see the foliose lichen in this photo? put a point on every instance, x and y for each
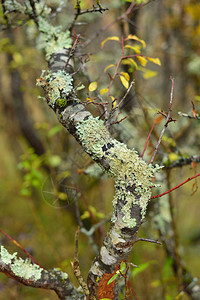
(58, 86)
(22, 268)
(133, 176)
(52, 38)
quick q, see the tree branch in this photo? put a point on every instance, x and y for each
(32, 275)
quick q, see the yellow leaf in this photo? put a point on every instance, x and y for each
(89, 99)
(154, 60)
(149, 74)
(197, 98)
(110, 66)
(92, 86)
(135, 48)
(124, 81)
(142, 60)
(129, 61)
(126, 75)
(114, 102)
(134, 37)
(103, 91)
(111, 38)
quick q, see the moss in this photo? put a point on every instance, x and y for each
(21, 268)
(133, 176)
(61, 102)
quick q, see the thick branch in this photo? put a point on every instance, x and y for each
(32, 275)
(131, 174)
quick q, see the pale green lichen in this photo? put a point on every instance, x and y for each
(133, 176)
(6, 257)
(58, 86)
(62, 274)
(52, 38)
(22, 268)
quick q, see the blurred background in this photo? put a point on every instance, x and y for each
(48, 184)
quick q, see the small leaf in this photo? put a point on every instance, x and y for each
(113, 278)
(126, 75)
(130, 61)
(134, 48)
(111, 38)
(149, 74)
(158, 119)
(92, 86)
(197, 98)
(85, 215)
(124, 81)
(114, 102)
(142, 268)
(89, 99)
(110, 66)
(54, 130)
(154, 60)
(134, 37)
(142, 60)
(103, 91)
(122, 267)
(81, 87)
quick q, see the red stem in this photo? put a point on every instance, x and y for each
(145, 146)
(18, 245)
(176, 187)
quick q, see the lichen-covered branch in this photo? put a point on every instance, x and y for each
(32, 275)
(183, 161)
(132, 175)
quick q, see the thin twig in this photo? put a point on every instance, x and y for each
(148, 240)
(18, 245)
(176, 187)
(169, 119)
(76, 267)
(126, 94)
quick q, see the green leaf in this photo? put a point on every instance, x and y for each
(113, 278)
(54, 160)
(122, 267)
(81, 87)
(54, 130)
(142, 267)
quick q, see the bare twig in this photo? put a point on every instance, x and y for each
(183, 161)
(124, 16)
(148, 240)
(22, 248)
(168, 120)
(176, 187)
(76, 267)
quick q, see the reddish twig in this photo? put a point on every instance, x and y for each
(176, 187)
(145, 146)
(19, 246)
